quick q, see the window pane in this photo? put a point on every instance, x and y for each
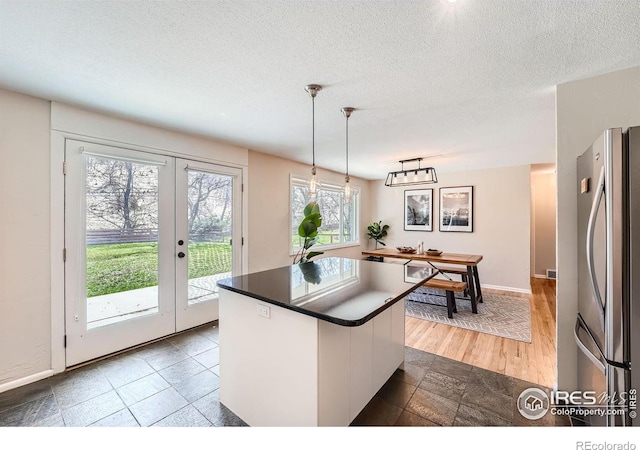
(348, 224)
(122, 240)
(299, 199)
(210, 231)
(330, 208)
(339, 218)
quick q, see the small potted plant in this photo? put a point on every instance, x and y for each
(377, 232)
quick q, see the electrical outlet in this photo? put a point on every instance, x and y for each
(264, 311)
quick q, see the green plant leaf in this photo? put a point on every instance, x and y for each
(312, 254)
(315, 218)
(307, 228)
(311, 208)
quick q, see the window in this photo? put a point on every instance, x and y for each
(339, 218)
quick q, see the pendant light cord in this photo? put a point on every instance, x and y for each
(347, 140)
(313, 129)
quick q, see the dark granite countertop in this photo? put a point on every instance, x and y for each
(344, 291)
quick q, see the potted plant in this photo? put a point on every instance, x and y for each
(308, 229)
(377, 231)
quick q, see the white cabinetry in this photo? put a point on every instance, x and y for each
(292, 369)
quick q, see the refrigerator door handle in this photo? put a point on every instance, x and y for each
(595, 206)
(593, 358)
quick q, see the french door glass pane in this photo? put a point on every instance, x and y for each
(122, 240)
(210, 230)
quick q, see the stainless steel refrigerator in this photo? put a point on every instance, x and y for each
(607, 328)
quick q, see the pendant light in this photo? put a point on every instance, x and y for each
(313, 90)
(347, 110)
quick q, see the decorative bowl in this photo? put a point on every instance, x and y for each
(406, 249)
(434, 252)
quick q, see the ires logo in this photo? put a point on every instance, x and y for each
(592, 398)
(582, 398)
(534, 403)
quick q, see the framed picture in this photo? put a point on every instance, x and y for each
(418, 210)
(456, 209)
(415, 274)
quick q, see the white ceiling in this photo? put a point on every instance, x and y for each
(470, 83)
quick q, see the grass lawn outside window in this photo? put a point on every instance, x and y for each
(115, 268)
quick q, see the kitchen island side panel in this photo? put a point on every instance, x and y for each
(388, 344)
(334, 374)
(355, 362)
(361, 368)
(268, 366)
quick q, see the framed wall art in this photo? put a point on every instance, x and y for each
(418, 210)
(456, 209)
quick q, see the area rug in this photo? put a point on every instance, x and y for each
(500, 315)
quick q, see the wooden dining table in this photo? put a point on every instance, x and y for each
(469, 261)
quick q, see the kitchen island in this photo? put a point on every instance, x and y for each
(310, 344)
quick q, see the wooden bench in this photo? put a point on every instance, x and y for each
(450, 287)
(462, 271)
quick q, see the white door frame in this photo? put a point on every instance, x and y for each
(72, 123)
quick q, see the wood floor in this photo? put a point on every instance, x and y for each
(534, 362)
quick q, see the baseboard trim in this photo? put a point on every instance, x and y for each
(537, 275)
(26, 380)
(506, 289)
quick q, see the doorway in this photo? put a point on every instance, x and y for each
(146, 238)
(543, 221)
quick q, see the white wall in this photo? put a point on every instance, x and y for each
(32, 137)
(543, 219)
(269, 228)
(25, 313)
(94, 126)
(584, 109)
(501, 223)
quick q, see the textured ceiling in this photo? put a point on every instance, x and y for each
(471, 84)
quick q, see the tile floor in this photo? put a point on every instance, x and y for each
(174, 383)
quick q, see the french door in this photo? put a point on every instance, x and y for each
(208, 238)
(146, 238)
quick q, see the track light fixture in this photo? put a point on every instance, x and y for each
(407, 177)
